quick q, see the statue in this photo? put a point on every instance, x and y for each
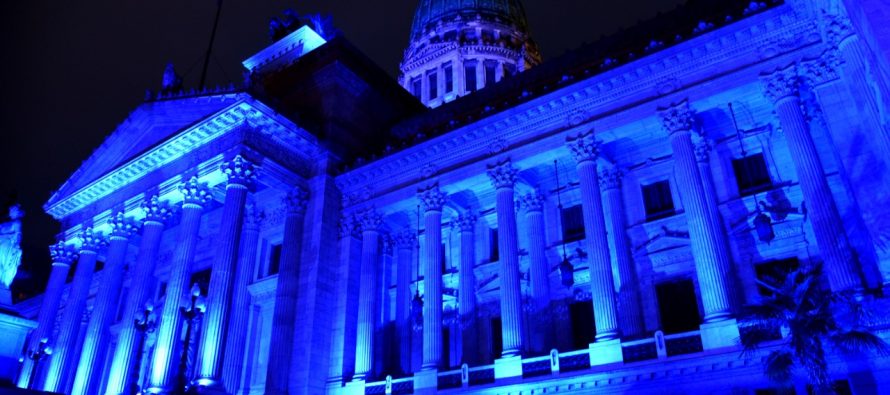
(10, 251)
(171, 82)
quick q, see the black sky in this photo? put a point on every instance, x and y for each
(73, 70)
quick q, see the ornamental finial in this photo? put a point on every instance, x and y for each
(91, 241)
(62, 254)
(533, 202)
(296, 201)
(677, 117)
(122, 227)
(432, 198)
(194, 193)
(239, 172)
(781, 84)
(583, 146)
(155, 210)
(502, 174)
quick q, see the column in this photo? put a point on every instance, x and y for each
(369, 221)
(709, 254)
(630, 321)
(585, 150)
(432, 200)
(539, 273)
(503, 176)
(164, 365)
(237, 336)
(240, 175)
(89, 369)
(405, 243)
(466, 292)
(142, 280)
(284, 315)
(62, 255)
(65, 348)
(782, 87)
(344, 320)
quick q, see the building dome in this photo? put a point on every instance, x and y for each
(459, 46)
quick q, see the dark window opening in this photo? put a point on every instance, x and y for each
(497, 339)
(470, 76)
(433, 80)
(162, 290)
(275, 259)
(449, 78)
(775, 391)
(201, 278)
(572, 223)
(494, 253)
(583, 324)
(658, 201)
(99, 266)
(446, 347)
(677, 306)
(751, 174)
(509, 69)
(443, 258)
(773, 273)
(417, 87)
(490, 74)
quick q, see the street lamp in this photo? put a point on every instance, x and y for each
(36, 355)
(144, 322)
(192, 316)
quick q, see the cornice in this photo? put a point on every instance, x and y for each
(753, 40)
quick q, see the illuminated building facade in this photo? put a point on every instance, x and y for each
(590, 225)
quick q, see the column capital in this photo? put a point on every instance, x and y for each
(156, 211)
(432, 198)
(346, 226)
(91, 241)
(194, 193)
(406, 239)
(369, 220)
(502, 174)
(465, 222)
(584, 147)
(781, 83)
(677, 118)
(823, 69)
(702, 150)
(252, 217)
(610, 178)
(62, 254)
(296, 201)
(239, 172)
(122, 227)
(532, 202)
(837, 28)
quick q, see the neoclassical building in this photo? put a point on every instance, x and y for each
(488, 223)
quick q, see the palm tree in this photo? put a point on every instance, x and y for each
(814, 321)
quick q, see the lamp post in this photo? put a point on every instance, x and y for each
(191, 314)
(144, 322)
(36, 355)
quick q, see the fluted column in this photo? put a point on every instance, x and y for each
(433, 200)
(237, 335)
(503, 176)
(62, 255)
(284, 316)
(585, 150)
(630, 320)
(782, 87)
(405, 244)
(466, 296)
(340, 355)
(65, 348)
(195, 197)
(708, 252)
(539, 272)
(369, 221)
(97, 337)
(141, 275)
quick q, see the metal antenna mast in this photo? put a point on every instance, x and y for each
(210, 45)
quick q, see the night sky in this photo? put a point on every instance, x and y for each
(72, 71)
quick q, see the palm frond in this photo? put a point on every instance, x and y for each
(860, 341)
(778, 366)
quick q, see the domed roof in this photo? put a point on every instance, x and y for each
(510, 12)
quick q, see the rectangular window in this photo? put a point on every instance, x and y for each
(434, 85)
(470, 76)
(493, 251)
(274, 259)
(443, 257)
(583, 325)
(658, 201)
(417, 87)
(490, 73)
(201, 278)
(449, 78)
(497, 342)
(772, 274)
(677, 306)
(751, 174)
(572, 223)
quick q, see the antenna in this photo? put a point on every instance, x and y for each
(210, 45)
(738, 132)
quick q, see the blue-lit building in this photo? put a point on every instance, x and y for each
(489, 222)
